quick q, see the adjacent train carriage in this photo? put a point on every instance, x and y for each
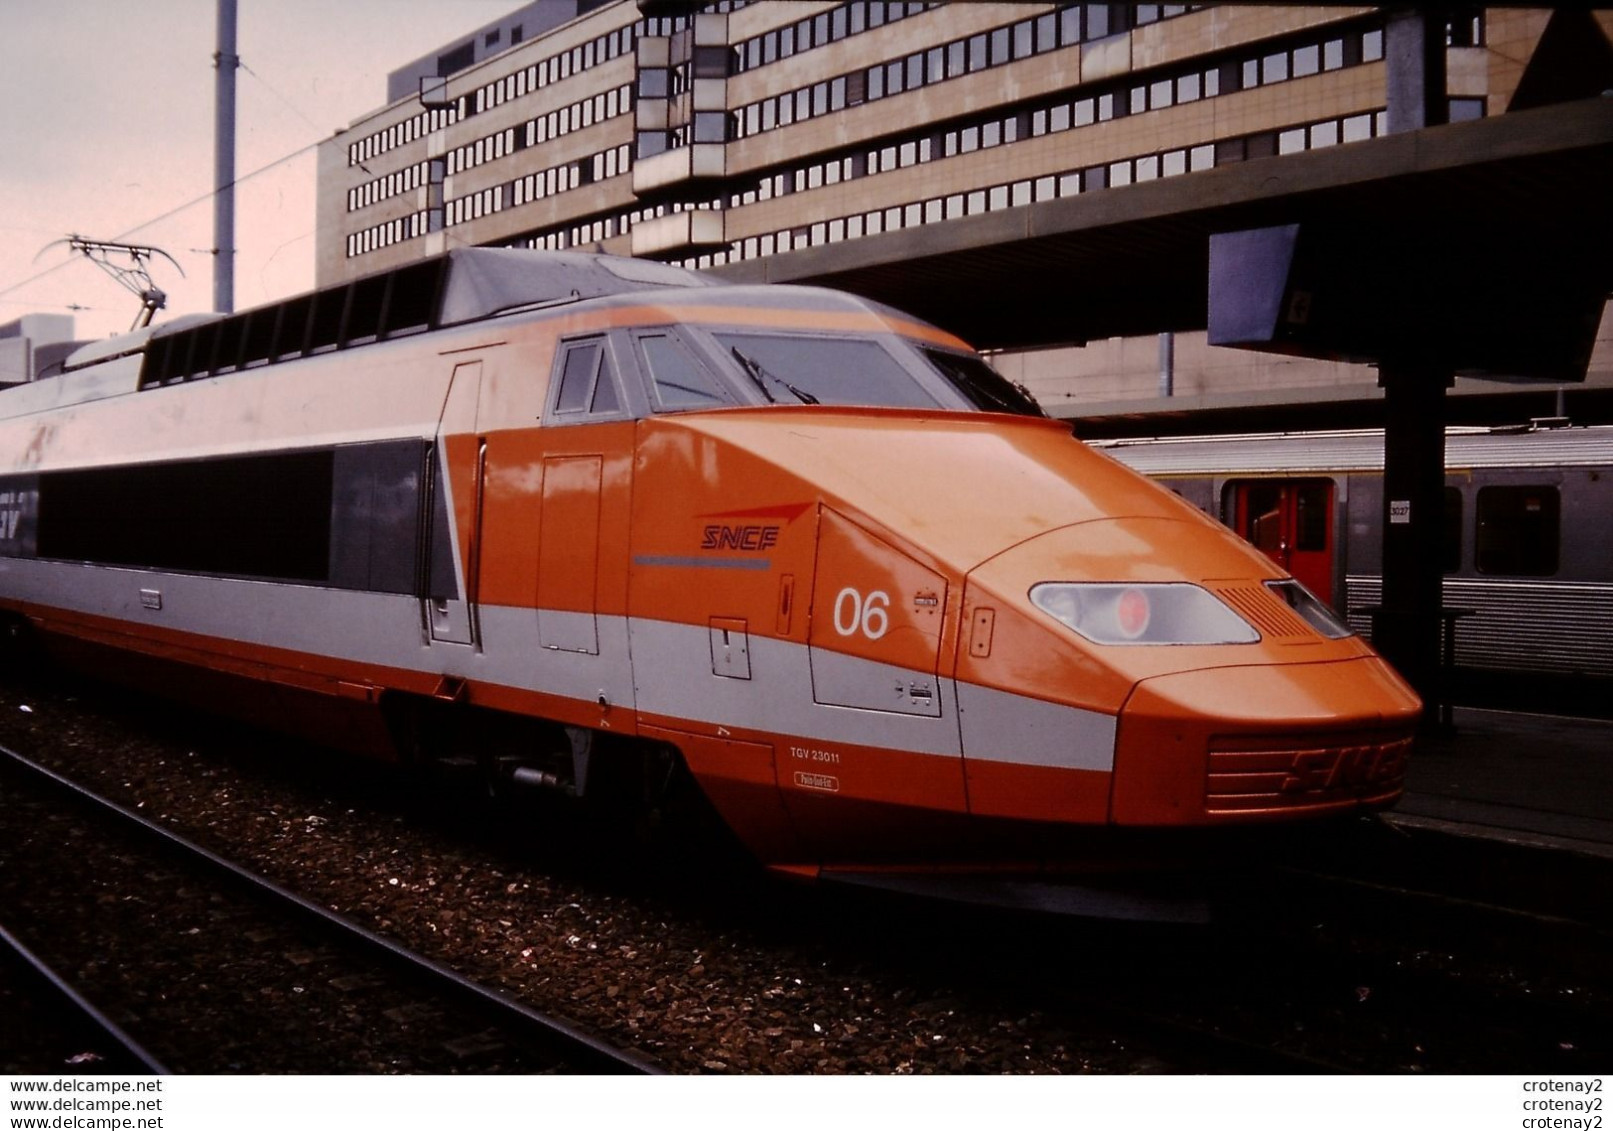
(603, 525)
(1528, 553)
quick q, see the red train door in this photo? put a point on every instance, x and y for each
(1291, 522)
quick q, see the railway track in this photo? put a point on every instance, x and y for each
(1378, 977)
(1317, 1012)
(173, 939)
(1304, 973)
(706, 967)
(713, 973)
(58, 1018)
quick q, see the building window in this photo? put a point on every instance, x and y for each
(711, 62)
(653, 83)
(710, 126)
(1465, 29)
(456, 60)
(1358, 127)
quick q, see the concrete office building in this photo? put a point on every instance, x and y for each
(486, 41)
(744, 130)
(34, 346)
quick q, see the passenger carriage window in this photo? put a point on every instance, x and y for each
(1518, 530)
(679, 381)
(1264, 522)
(1313, 514)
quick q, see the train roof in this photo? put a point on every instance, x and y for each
(462, 286)
(1360, 450)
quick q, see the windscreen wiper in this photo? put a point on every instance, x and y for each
(760, 375)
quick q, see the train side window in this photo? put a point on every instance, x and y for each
(604, 399)
(1313, 513)
(679, 381)
(587, 383)
(577, 376)
(1518, 530)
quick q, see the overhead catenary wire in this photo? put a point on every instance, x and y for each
(172, 212)
(42, 279)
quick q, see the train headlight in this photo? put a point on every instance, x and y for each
(1170, 613)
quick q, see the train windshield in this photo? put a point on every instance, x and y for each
(981, 385)
(803, 369)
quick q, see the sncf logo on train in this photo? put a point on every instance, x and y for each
(748, 530)
(752, 538)
(1347, 767)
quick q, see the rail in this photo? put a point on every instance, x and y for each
(128, 1048)
(584, 1051)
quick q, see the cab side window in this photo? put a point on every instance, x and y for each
(587, 382)
(678, 380)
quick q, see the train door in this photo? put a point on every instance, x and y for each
(455, 474)
(1291, 522)
(568, 553)
(874, 638)
(583, 509)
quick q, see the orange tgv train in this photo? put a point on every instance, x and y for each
(604, 525)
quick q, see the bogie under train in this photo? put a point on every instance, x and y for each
(593, 521)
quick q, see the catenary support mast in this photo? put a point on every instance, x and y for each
(225, 61)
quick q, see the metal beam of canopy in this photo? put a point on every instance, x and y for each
(1135, 260)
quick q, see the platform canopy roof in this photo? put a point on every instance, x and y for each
(1524, 198)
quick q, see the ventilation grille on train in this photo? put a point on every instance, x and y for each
(1270, 615)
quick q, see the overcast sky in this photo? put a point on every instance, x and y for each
(106, 124)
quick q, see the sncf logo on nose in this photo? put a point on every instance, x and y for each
(1348, 766)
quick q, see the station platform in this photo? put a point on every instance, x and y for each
(1544, 781)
